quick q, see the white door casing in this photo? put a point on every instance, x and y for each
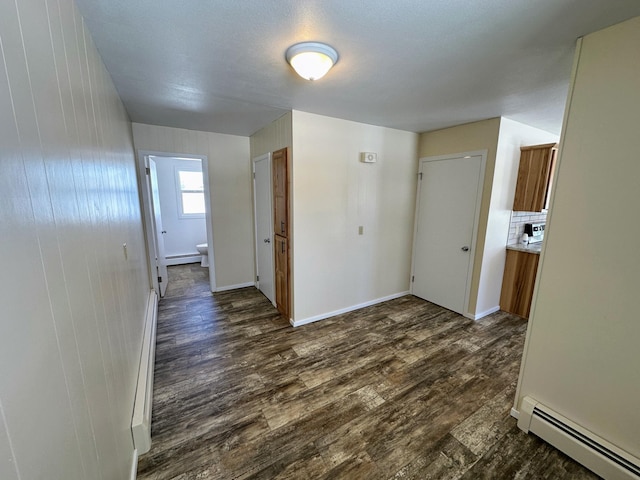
(149, 217)
(447, 212)
(263, 214)
(161, 261)
(209, 223)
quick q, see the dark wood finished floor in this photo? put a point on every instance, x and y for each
(400, 390)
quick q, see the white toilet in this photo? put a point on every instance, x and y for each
(203, 249)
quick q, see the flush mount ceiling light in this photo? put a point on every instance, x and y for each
(311, 60)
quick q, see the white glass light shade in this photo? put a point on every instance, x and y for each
(311, 60)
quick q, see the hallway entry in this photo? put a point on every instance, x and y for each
(176, 204)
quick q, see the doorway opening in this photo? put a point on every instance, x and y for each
(176, 204)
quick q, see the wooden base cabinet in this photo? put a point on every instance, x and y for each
(517, 284)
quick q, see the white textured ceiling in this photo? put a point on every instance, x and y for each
(418, 65)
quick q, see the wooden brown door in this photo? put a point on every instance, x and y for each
(280, 197)
(282, 275)
(281, 229)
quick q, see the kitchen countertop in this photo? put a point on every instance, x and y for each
(530, 248)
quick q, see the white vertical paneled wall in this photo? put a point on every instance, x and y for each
(72, 299)
(8, 469)
(333, 194)
(230, 186)
(273, 137)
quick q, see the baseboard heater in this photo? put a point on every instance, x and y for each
(590, 450)
(141, 421)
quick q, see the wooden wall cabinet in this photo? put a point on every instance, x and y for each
(281, 228)
(535, 177)
(518, 281)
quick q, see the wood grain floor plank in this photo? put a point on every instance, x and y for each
(445, 459)
(404, 389)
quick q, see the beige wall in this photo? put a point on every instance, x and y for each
(273, 137)
(230, 187)
(333, 194)
(73, 303)
(581, 357)
(465, 138)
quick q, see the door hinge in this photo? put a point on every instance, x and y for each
(147, 170)
(420, 176)
(257, 278)
(159, 279)
(412, 278)
(254, 174)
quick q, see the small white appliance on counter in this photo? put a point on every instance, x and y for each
(535, 231)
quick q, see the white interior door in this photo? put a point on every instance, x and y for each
(161, 261)
(445, 225)
(264, 225)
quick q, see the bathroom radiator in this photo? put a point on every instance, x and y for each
(593, 452)
(141, 421)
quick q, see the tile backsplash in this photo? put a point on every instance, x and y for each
(518, 219)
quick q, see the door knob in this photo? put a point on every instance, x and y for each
(465, 249)
(267, 240)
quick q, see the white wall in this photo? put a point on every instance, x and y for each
(230, 186)
(183, 233)
(581, 356)
(72, 303)
(333, 194)
(511, 136)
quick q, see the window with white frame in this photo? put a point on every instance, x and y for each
(190, 193)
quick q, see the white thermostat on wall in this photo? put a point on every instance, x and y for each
(368, 157)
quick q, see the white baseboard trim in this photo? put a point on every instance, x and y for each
(235, 287)
(304, 321)
(134, 466)
(515, 413)
(183, 259)
(594, 452)
(143, 401)
(480, 315)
